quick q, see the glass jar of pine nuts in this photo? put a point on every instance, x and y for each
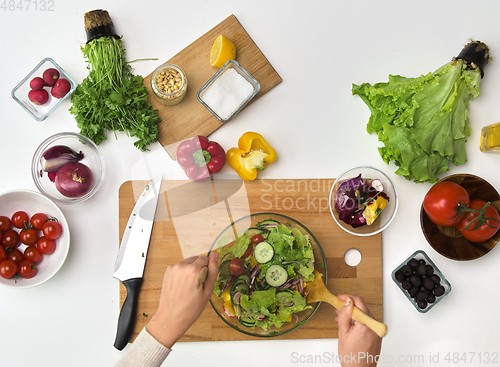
(169, 84)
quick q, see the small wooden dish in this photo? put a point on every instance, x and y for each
(447, 240)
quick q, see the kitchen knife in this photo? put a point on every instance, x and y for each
(131, 259)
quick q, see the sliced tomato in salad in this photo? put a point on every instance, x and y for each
(237, 266)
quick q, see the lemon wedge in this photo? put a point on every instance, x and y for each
(222, 51)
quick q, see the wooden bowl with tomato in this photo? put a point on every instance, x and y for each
(448, 240)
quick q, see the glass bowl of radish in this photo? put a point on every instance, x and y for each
(363, 201)
(268, 273)
(67, 168)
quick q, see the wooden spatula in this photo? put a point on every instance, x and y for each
(318, 292)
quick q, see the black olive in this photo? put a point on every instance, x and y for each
(436, 279)
(422, 304)
(422, 295)
(406, 270)
(413, 291)
(415, 280)
(431, 298)
(406, 284)
(422, 270)
(400, 277)
(421, 262)
(413, 263)
(430, 270)
(428, 283)
(439, 291)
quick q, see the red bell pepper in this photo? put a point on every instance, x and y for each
(200, 158)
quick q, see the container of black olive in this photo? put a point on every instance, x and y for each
(421, 281)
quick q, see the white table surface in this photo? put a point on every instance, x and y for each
(318, 129)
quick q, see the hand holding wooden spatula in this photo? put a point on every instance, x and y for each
(318, 292)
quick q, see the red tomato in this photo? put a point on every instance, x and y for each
(29, 236)
(256, 238)
(8, 269)
(46, 246)
(5, 224)
(10, 239)
(15, 255)
(3, 255)
(33, 254)
(27, 269)
(52, 230)
(484, 232)
(442, 200)
(237, 266)
(19, 219)
(38, 220)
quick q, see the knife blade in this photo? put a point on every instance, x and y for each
(131, 259)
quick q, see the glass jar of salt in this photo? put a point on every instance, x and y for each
(228, 91)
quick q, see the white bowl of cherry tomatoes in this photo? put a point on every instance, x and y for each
(34, 240)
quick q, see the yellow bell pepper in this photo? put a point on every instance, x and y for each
(252, 155)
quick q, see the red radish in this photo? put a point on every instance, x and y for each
(61, 88)
(37, 83)
(50, 76)
(38, 97)
(74, 179)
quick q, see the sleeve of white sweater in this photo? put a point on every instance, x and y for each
(145, 351)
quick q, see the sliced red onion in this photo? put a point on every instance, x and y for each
(288, 304)
(228, 283)
(57, 156)
(301, 286)
(309, 290)
(296, 317)
(260, 317)
(271, 225)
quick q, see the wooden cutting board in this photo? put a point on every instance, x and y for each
(190, 118)
(191, 215)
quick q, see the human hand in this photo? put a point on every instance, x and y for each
(182, 301)
(358, 345)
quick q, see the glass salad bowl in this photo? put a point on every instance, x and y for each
(239, 228)
(370, 174)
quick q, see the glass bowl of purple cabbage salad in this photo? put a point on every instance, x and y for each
(67, 168)
(363, 201)
(265, 260)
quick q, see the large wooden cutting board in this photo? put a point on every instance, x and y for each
(190, 216)
(190, 118)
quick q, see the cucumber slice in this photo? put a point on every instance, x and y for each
(263, 252)
(276, 275)
(285, 296)
(252, 231)
(224, 269)
(266, 222)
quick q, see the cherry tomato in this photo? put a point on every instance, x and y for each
(256, 238)
(5, 224)
(10, 239)
(27, 269)
(3, 255)
(19, 219)
(38, 220)
(33, 254)
(442, 200)
(29, 236)
(15, 255)
(52, 230)
(237, 266)
(484, 232)
(8, 269)
(46, 246)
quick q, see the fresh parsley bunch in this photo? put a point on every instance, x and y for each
(112, 97)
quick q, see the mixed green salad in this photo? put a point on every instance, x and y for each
(262, 275)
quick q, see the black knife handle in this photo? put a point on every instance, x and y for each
(127, 314)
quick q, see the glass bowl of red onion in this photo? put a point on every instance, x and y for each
(67, 168)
